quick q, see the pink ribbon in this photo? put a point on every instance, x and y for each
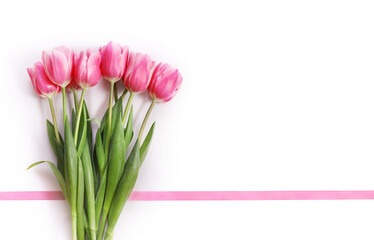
(207, 195)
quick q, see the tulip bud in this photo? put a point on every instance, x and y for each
(42, 85)
(113, 61)
(58, 65)
(138, 72)
(87, 68)
(165, 82)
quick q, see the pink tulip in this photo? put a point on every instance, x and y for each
(138, 72)
(42, 85)
(113, 61)
(165, 83)
(58, 65)
(73, 86)
(87, 68)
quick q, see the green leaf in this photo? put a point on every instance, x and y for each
(116, 111)
(89, 127)
(128, 130)
(89, 189)
(99, 200)
(73, 118)
(96, 181)
(58, 175)
(146, 144)
(57, 148)
(125, 187)
(80, 201)
(104, 121)
(96, 120)
(116, 164)
(82, 133)
(71, 158)
(99, 153)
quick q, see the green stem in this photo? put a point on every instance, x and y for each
(115, 92)
(64, 103)
(124, 94)
(74, 222)
(79, 117)
(109, 234)
(127, 109)
(54, 120)
(145, 121)
(109, 130)
(75, 99)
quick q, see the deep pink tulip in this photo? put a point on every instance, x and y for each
(42, 85)
(165, 82)
(113, 61)
(87, 68)
(58, 65)
(138, 72)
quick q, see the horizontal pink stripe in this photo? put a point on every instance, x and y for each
(34, 195)
(208, 195)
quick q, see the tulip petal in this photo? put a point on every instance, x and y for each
(32, 77)
(165, 83)
(69, 56)
(60, 68)
(93, 69)
(48, 66)
(41, 83)
(80, 69)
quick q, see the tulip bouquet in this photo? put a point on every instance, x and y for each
(97, 176)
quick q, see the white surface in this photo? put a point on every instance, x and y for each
(277, 95)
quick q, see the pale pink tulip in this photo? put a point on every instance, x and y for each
(42, 85)
(138, 72)
(58, 65)
(113, 61)
(165, 82)
(87, 68)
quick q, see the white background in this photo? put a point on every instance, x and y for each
(277, 95)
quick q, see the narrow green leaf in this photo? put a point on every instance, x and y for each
(103, 121)
(125, 187)
(80, 202)
(96, 181)
(117, 110)
(96, 120)
(146, 144)
(89, 189)
(73, 118)
(116, 164)
(57, 148)
(128, 131)
(100, 154)
(82, 133)
(89, 127)
(71, 158)
(58, 175)
(99, 200)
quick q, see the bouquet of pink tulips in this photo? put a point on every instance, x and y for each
(97, 177)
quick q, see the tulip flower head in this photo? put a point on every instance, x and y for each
(41, 83)
(113, 61)
(165, 82)
(87, 68)
(58, 65)
(138, 72)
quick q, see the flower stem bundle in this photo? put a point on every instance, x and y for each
(97, 172)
